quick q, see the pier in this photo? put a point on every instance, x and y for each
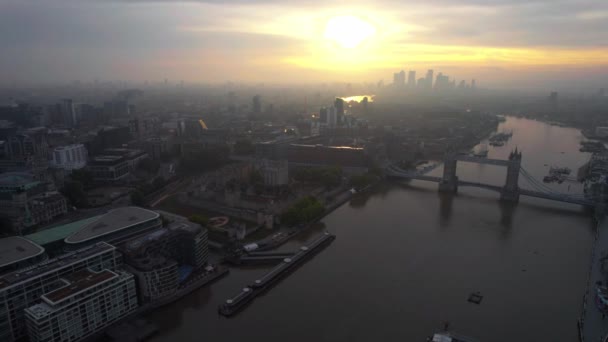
(233, 305)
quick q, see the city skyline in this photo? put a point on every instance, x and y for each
(505, 43)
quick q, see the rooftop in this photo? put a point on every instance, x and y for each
(59, 233)
(159, 234)
(17, 179)
(15, 248)
(105, 159)
(78, 282)
(113, 221)
(16, 277)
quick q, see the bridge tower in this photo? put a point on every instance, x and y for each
(510, 192)
(449, 182)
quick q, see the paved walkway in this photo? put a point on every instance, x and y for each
(595, 327)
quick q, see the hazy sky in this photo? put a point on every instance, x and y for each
(496, 41)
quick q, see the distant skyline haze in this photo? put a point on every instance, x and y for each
(501, 43)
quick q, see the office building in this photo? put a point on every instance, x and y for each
(553, 100)
(332, 117)
(109, 168)
(114, 226)
(70, 157)
(24, 144)
(68, 113)
(411, 79)
(316, 155)
(422, 83)
(27, 202)
(339, 104)
(23, 288)
(257, 104)
(132, 156)
(114, 165)
(17, 252)
(429, 79)
(274, 172)
(442, 82)
(164, 259)
(86, 303)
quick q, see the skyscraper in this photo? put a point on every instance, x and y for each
(442, 82)
(257, 104)
(332, 117)
(339, 104)
(68, 113)
(429, 79)
(402, 78)
(473, 84)
(411, 79)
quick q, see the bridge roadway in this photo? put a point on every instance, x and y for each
(393, 172)
(478, 160)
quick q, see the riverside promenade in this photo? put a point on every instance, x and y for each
(593, 324)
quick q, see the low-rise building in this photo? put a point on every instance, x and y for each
(17, 252)
(109, 168)
(23, 288)
(86, 303)
(601, 132)
(115, 164)
(70, 157)
(274, 172)
(27, 202)
(164, 258)
(114, 226)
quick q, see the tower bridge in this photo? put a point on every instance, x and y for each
(510, 191)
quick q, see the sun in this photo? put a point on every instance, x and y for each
(348, 31)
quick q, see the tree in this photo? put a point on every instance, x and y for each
(328, 176)
(204, 160)
(137, 198)
(256, 177)
(200, 219)
(149, 165)
(158, 183)
(243, 147)
(303, 211)
(83, 176)
(6, 227)
(363, 180)
(74, 191)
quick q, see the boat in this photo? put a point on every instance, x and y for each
(560, 171)
(601, 298)
(482, 152)
(497, 143)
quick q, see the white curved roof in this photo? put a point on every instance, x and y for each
(15, 249)
(112, 222)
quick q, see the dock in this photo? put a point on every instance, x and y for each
(233, 305)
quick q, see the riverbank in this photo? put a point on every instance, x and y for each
(593, 326)
(210, 277)
(273, 241)
(530, 261)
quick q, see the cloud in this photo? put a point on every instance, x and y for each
(135, 38)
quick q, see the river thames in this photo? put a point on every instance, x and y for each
(406, 259)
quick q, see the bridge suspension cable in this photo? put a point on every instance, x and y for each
(543, 188)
